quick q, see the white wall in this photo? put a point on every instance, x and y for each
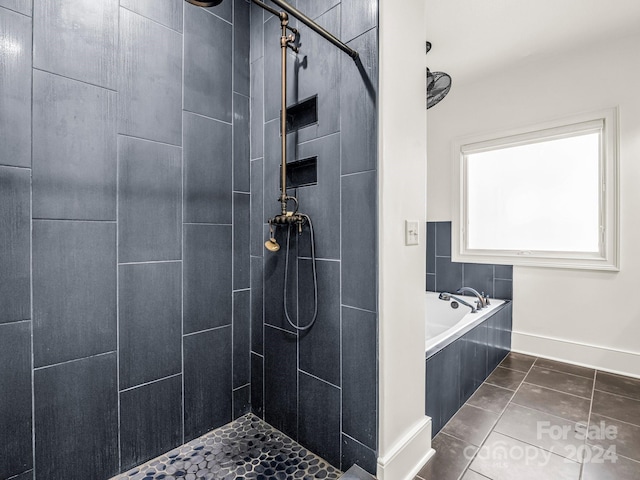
(405, 431)
(584, 317)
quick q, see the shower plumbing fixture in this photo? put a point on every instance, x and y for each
(447, 296)
(290, 219)
(483, 300)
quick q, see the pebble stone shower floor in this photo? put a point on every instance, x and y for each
(247, 448)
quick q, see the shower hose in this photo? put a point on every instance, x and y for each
(315, 277)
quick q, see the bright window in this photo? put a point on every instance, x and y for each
(544, 196)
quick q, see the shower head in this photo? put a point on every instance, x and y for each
(438, 85)
(272, 245)
(205, 4)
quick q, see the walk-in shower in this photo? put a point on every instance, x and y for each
(291, 219)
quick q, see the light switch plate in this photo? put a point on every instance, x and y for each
(411, 232)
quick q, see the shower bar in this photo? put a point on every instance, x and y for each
(312, 25)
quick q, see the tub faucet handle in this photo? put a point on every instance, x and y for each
(486, 299)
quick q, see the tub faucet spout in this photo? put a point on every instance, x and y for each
(482, 300)
(447, 296)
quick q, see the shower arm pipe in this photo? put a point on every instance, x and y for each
(309, 23)
(284, 45)
(287, 41)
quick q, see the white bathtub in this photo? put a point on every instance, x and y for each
(444, 323)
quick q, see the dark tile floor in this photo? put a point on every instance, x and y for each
(247, 448)
(538, 419)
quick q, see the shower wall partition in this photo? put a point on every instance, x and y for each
(319, 387)
(135, 181)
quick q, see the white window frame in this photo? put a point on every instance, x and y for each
(604, 121)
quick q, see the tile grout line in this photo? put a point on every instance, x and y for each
(182, 241)
(16, 11)
(497, 421)
(150, 19)
(555, 390)
(38, 69)
(617, 395)
(556, 370)
(206, 330)
(184, 110)
(145, 384)
(318, 378)
(341, 320)
(233, 212)
(31, 271)
(117, 142)
(101, 354)
(142, 139)
(593, 390)
(616, 420)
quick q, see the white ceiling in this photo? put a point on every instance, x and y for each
(475, 37)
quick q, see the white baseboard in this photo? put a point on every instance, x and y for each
(408, 455)
(593, 356)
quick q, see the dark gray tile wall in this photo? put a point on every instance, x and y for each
(319, 417)
(76, 407)
(15, 81)
(15, 398)
(359, 16)
(207, 170)
(354, 452)
(359, 240)
(359, 375)
(149, 80)
(74, 149)
(281, 380)
(242, 400)
(444, 275)
(320, 75)
(15, 244)
(77, 39)
(337, 359)
(150, 420)
(241, 338)
(241, 150)
(314, 197)
(207, 43)
(207, 277)
(241, 237)
(74, 290)
(149, 201)
(241, 45)
(358, 96)
(207, 392)
(457, 370)
(20, 6)
(139, 206)
(168, 13)
(319, 350)
(150, 322)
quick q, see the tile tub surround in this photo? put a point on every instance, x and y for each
(443, 275)
(246, 448)
(114, 191)
(532, 397)
(319, 387)
(459, 369)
